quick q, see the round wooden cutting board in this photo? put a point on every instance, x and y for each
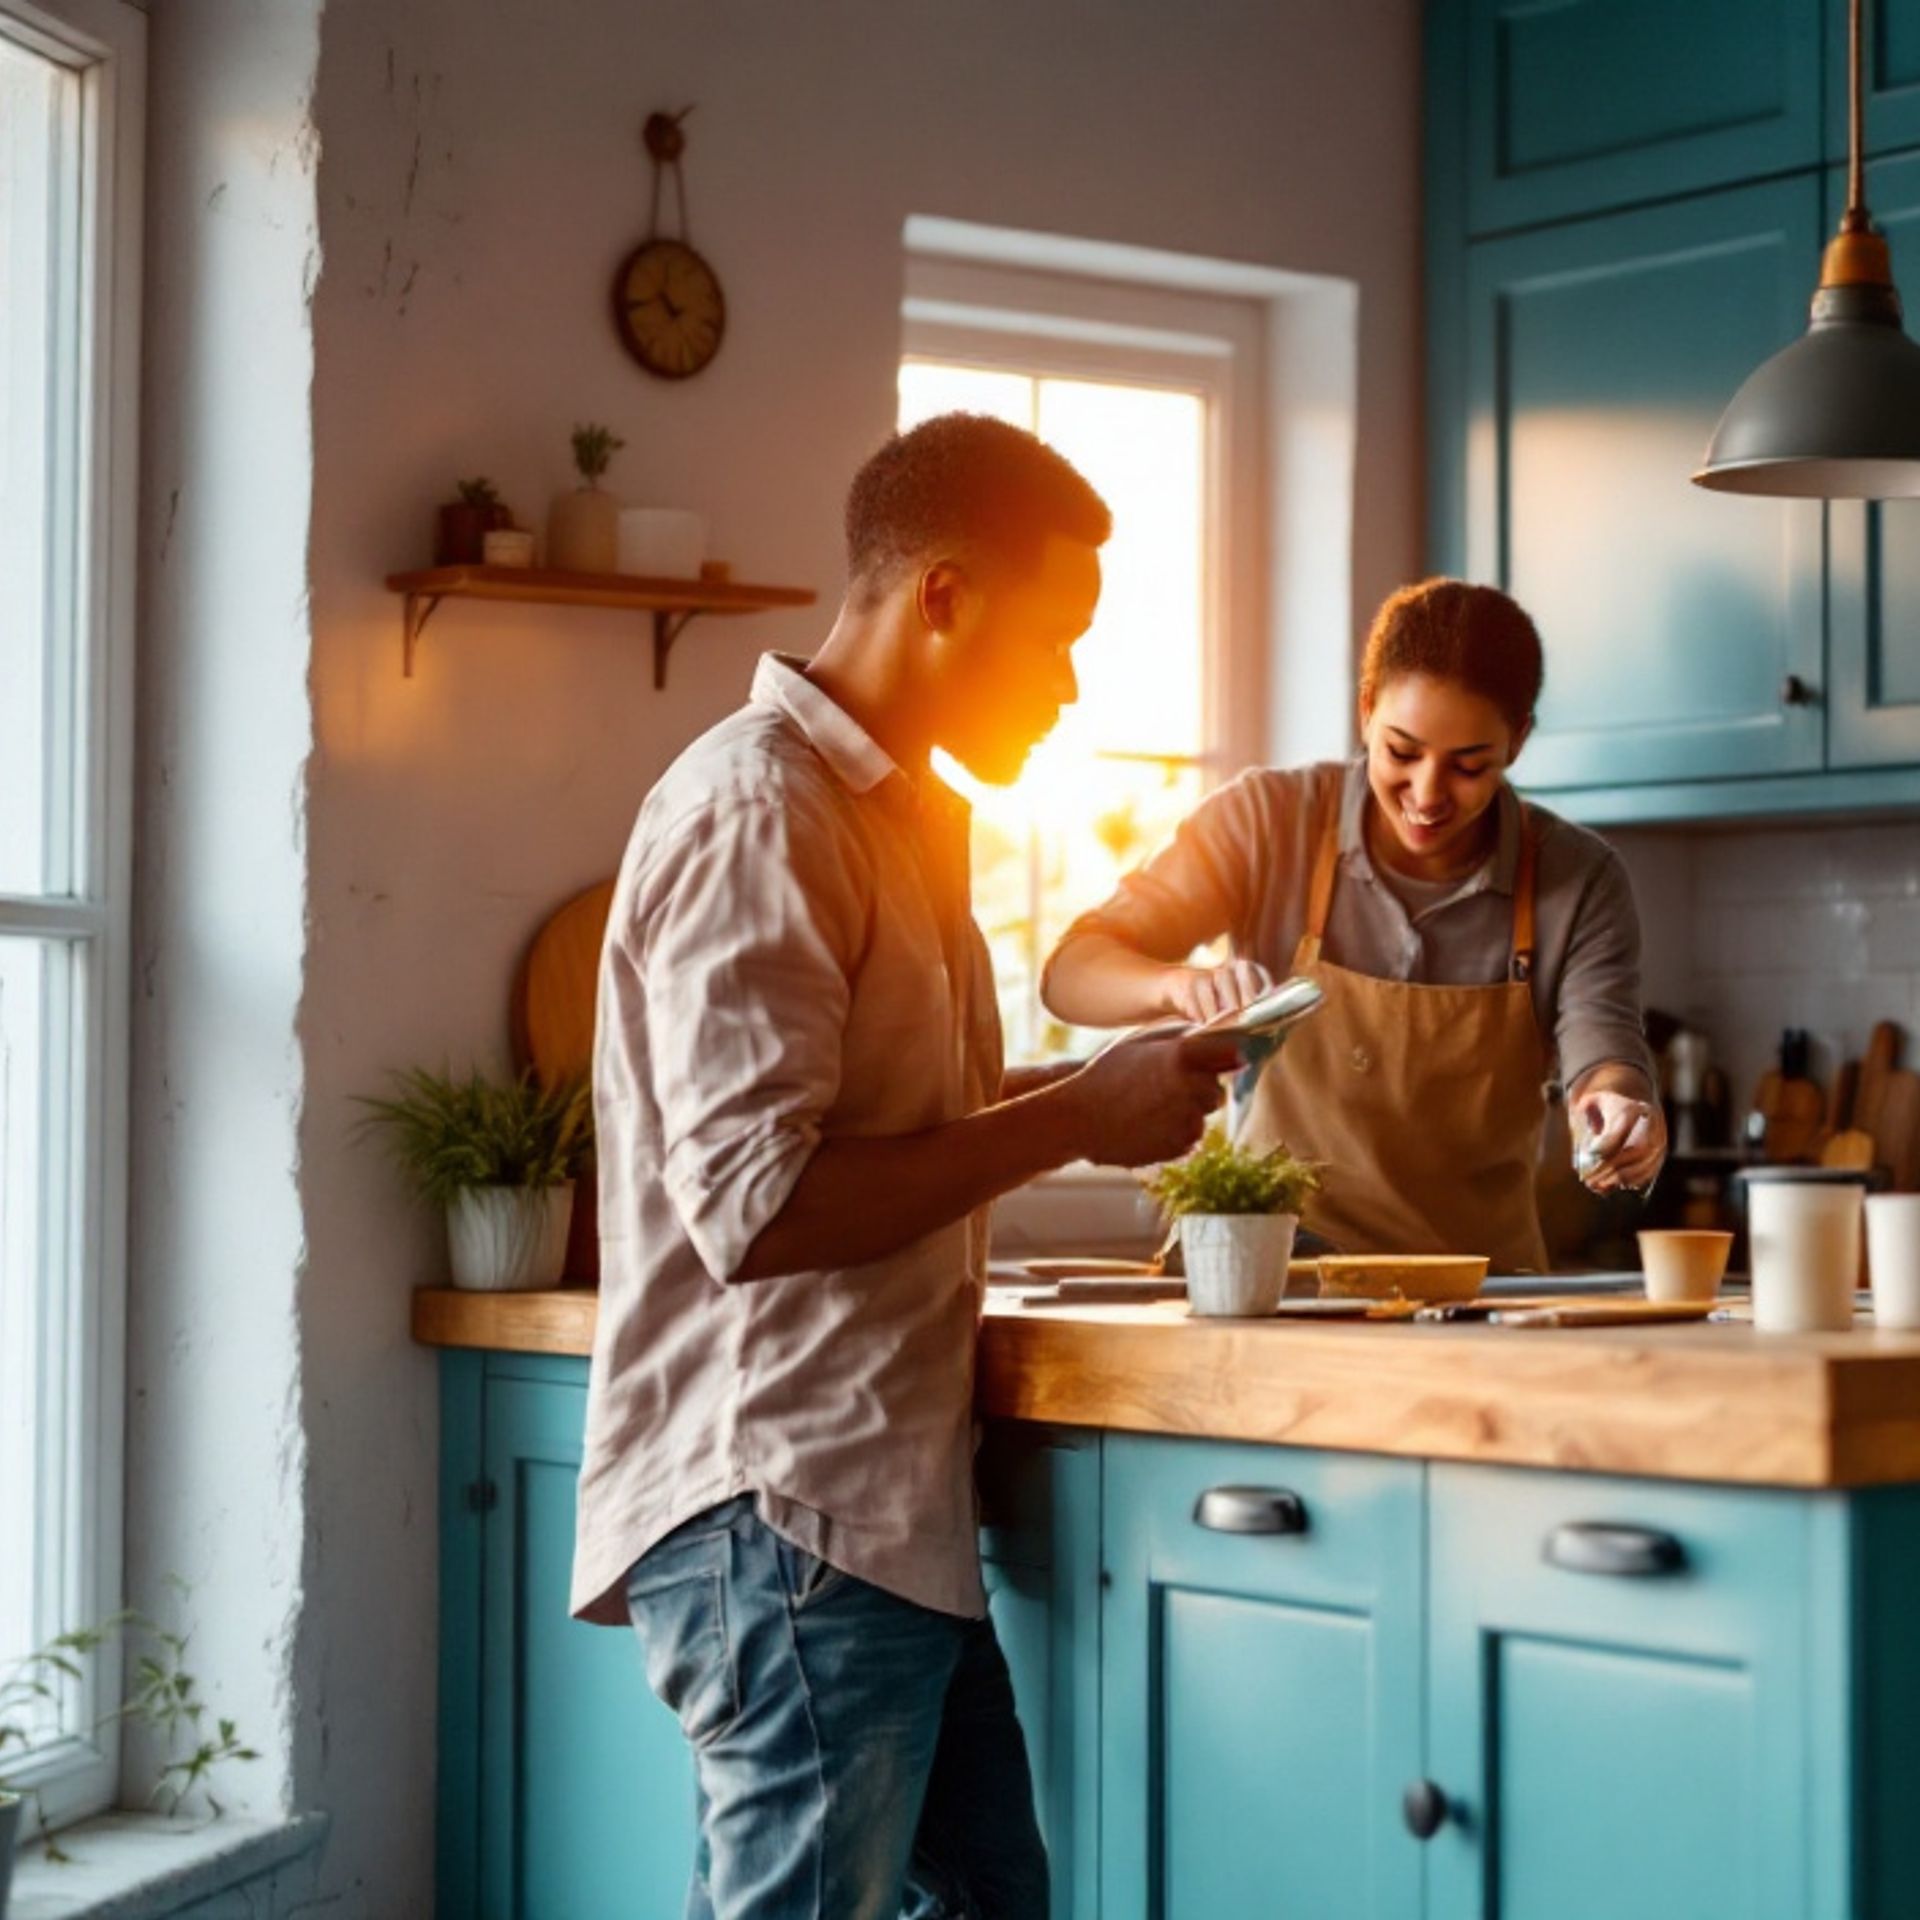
(551, 1018)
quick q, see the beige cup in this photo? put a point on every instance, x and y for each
(1683, 1263)
(1893, 1259)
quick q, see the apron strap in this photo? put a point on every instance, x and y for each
(1326, 863)
(1524, 874)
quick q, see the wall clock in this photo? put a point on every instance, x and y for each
(667, 302)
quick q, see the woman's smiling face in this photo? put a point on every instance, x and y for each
(1436, 755)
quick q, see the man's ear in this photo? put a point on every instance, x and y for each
(942, 596)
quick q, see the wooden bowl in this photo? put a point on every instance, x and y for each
(1404, 1276)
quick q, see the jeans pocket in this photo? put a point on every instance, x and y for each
(806, 1575)
(679, 1610)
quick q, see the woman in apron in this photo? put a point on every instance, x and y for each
(1473, 949)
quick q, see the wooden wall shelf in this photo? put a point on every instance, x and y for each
(672, 603)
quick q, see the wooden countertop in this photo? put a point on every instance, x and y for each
(1701, 1402)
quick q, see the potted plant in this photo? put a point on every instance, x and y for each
(460, 539)
(165, 1696)
(583, 526)
(1236, 1212)
(500, 1157)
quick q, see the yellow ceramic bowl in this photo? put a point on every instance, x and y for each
(1407, 1276)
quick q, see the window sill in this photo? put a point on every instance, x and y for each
(140, 1866)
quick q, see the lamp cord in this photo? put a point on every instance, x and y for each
(1856, 172)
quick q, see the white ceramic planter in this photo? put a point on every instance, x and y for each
(11, 1809)
(1236, 1262)
(662, 543)
(509, 1239)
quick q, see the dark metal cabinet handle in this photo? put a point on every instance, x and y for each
(1795, 692)
(1425, 1808)
(1251, 1510)
(1596, 1546)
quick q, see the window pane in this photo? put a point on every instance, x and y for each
(37, 265)
(1141, 666)
(927, 388)
(36, 1114)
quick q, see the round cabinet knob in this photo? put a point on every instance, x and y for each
(1795, 692)
(1425, 1808)
(1361, 1059)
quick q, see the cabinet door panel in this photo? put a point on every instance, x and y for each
(1260, 1691)
(1590, 104)
(1874, 547)
(1600, 358)
(1892, 76)
(1618, 1744)
(586, 1784)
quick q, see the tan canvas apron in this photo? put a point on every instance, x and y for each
(1424, 1103)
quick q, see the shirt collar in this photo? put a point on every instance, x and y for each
(1497, 876)
(856, 757)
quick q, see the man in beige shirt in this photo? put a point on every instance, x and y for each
(802, 1118)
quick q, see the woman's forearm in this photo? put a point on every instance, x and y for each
(1095, 980)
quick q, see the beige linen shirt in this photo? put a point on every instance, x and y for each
(790, 958)
(1242, 865)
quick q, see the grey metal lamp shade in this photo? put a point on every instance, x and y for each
(1834, 416)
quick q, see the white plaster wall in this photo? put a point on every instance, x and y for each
(216, 1454)
(482, 176)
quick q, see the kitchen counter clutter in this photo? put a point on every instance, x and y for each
(1713, 1402)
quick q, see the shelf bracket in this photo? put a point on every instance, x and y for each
(419, 610)
(667, 628)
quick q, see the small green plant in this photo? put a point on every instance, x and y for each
(479, 493)
(1218, 1177)
(593, 450)
(165, 1696)
(448, 1135)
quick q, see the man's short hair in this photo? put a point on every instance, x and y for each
(964, 483)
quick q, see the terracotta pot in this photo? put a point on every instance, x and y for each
(509, 1239)
(460, 537)
(583, 532)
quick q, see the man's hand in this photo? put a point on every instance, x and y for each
(1200, 994)
(1146, 1098)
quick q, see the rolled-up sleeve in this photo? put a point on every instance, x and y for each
(1192, 891)
(1599, 1016)
(743, 937)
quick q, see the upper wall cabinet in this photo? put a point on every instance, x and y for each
(1892, 76)
(1874, 549)
(1574, 106)
(1683, 628)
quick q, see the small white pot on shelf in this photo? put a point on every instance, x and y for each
(509, 1239)
(1236, 1262)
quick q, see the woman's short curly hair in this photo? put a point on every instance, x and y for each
(1474, 636)
(960, 483)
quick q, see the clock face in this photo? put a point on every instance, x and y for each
(669, 308)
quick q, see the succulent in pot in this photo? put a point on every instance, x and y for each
(500, 1157)
(1236, 1211)
(460, 536)
(583, 525)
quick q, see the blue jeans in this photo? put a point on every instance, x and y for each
(857, 1756)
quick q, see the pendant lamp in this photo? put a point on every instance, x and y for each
(1835, 416)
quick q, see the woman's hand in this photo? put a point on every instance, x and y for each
(1200, 994)
(1624, 1140)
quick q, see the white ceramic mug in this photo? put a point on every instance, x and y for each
(1805, 1241)
(1893, 1259)
(662, 543)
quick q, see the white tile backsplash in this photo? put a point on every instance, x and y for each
(1748, 931)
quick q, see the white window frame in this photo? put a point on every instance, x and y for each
(81, 1357)
(1017, 319)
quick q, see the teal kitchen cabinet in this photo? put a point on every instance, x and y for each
(1040, 1551)
(1873, 702)
(1586, 105)
(1261, 1682)
(1891, 72)
(567, 1789)
(1683, 628)
(1624, 1718)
